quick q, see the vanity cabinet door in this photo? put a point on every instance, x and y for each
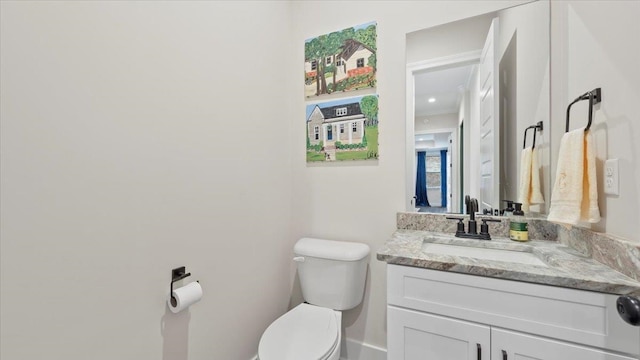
(508, 345)
(414, 335)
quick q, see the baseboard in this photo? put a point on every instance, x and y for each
(356, 350)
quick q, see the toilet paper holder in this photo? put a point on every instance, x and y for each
(177, 274)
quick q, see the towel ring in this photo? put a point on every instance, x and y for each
(537, 127)
(594, 96)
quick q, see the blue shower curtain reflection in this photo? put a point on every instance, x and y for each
(421, 181)
(443, 176)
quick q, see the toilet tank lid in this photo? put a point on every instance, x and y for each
(331, 249)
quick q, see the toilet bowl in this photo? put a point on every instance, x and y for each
(332, 279)
(307, 332)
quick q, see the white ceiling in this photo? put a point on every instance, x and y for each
(446, 86)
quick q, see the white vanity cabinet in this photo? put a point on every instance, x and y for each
(414, 335)
(439, 315)
(513, 345)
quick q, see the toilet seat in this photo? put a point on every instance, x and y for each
(307, 332)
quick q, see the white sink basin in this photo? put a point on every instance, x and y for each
(513, 256)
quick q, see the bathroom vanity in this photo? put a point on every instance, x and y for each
(451, 298)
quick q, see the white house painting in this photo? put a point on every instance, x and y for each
(341, 61)
(343, 129)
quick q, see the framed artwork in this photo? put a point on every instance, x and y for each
(340, 61)
(343, 129)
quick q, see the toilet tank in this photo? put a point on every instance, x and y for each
(332, 273)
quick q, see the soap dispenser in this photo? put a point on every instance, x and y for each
(518, 227)
(508, 212)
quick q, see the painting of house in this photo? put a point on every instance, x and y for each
(341, 61)
(344, 129)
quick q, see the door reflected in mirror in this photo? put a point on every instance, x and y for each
(473, 87)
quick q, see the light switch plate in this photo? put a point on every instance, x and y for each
(611, 177)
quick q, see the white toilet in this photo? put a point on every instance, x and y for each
(332, 276)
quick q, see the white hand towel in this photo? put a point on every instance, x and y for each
(525, 179)
(535, 194)
(529, 191)
(575, 191)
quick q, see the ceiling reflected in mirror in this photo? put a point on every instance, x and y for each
(445, 88)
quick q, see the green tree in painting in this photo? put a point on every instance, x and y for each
(372, 61)
(369, 107)
(317, 50)
(334, 45)
(348, 33)
(367, 36)
(311, 50)
(323, 52)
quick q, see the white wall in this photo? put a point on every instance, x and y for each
(448, 39)
(429, 123)
(472, 168)
(138, 137)
(359, 201)
(464, 116)
(595, 44)
(510, 149)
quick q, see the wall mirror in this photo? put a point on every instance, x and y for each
(473, 87)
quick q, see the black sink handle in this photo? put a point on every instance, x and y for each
(460, 228)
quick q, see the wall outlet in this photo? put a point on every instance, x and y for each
(611, 177)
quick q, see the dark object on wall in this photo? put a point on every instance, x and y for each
(537, 127)
(177, 274)
(594, 96)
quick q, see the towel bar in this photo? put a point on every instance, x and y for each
(536, 127)
(594, 96)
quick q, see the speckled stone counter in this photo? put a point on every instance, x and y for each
(539, 229)
(566, 267)
(619, 254)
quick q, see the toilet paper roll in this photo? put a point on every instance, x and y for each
(184, 297)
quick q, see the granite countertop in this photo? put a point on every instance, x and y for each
(562, 266)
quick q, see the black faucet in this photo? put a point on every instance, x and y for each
(472, 208)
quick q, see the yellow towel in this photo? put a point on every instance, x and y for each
(575, 191)
(529, 191)
(525, 179)
(535, 195)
